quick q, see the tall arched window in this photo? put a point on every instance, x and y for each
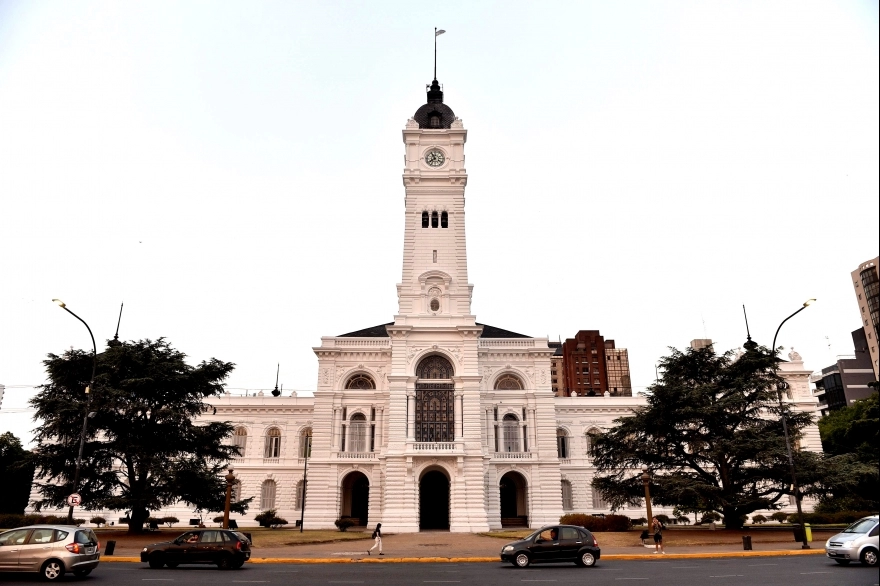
(444, 220)
(358, 433)
(434, 221)
(567, 504)
(267, 495)
(305, 443)
(424, 219)
(360, 381)
(239, 440)
(434, 367)
(598, 503)
(272, 449)
(510, 434)
(508, 382)
(562, 444)
(589, 440)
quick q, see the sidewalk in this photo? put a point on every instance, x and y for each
(445, 546)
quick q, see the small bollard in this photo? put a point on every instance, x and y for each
(108, 549)
(747, 542)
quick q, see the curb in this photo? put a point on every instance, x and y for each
(434, 560)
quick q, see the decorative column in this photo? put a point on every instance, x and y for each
(457, 413)
(410, 416)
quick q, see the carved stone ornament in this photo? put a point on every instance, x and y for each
(325, 376)
(794, 356)
(457, 123)
(411, 123)
(411, 353)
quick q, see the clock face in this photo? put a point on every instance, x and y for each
(435, 158)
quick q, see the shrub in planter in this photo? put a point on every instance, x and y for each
(98, 521)
(779, 517)
(170, 521)
(758, 519)
(265, 517)
(344, 523)
(277, 522)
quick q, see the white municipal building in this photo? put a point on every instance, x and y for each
(432, 421)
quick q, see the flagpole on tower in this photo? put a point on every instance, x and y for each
(437, 33)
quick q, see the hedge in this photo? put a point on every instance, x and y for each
(599, 524)
(10, 520)
(831, 518)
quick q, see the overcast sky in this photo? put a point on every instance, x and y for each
(232, 172)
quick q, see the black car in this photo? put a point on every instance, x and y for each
(556, 543)
(228, 549)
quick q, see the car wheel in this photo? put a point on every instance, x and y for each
(587, 559)
(842, 562)
(172, 565)
(156, 561)
(236, 565)
(869, 557)
(522, 560)
(52, 570)
(225, 563)
(82, 572)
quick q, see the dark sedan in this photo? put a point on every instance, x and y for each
(229, 550)
(556, 543)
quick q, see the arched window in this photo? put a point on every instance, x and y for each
(589, 440)
(444, 220)
(562, 444)
(360, 381)
(424, 219)
(305, 443)
(267, 495)
(434, 367)
(508, 382)
(272, 448)
(239, 440)
(566, 496)
(299, 495)
(358, 433)
(510, 434)
(434, 221)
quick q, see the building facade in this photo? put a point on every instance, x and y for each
(866, 283)
(434, 420)
(846, 380)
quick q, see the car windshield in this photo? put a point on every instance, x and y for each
(861, 526)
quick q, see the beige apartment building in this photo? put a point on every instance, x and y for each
(866, 282)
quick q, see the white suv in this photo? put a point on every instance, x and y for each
(856, 542)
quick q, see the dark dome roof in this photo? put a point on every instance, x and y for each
(434, 107)
(423, 115)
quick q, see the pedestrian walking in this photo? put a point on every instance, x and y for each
(377, 535)
(657, 528)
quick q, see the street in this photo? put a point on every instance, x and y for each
(767, 571)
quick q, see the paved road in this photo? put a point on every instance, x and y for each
(766, 571)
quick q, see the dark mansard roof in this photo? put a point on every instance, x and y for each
(434, 107)
(380, 332)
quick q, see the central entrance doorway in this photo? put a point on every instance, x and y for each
(434, 500)
(356, 498)
(512, 493)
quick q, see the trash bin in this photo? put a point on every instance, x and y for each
(747, 542)
(798, 532)
(108, 549)
(809, 531)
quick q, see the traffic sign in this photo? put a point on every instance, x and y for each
(74, 500)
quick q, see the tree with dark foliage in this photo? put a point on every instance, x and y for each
(144, 449)
(17, 472)
(711, 436)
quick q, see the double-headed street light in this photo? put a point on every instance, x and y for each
(794, 482)
(82, 436)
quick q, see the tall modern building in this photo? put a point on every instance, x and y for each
(434, 420)
(866, 282)
(847, 379)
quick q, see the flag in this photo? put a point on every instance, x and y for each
(437, 33)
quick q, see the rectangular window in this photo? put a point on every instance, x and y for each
(435, 256)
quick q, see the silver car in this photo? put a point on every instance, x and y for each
(856, 542)
(50, 550)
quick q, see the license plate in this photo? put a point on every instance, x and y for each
(90, 550)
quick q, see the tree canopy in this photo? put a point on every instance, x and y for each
(145, 448)
(851, 480)
(17, 472)
(711, 436)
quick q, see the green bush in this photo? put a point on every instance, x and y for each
(265, 517)
(344, 523)
(8, 521)
(96, 520)
(841, 517)
(779, 517)
(276, 522)
(640, 521)
(218, 519)
(758, 519)
(663, 518)
(170, 521)
(598, 524)
(710, 517)
(682, 520)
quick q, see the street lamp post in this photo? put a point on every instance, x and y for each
(82, 435)
(302, 514)
(646, 480)
(230, 481)
(779, 389)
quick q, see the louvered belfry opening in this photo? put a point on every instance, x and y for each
(435, 406)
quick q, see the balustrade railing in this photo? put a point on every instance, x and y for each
(513, 455)
(356, 455)
(433, 446)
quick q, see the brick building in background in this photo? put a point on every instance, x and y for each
(588, 365)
